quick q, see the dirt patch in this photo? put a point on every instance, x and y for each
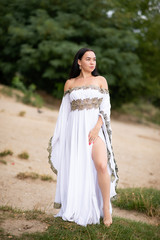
(18, 226)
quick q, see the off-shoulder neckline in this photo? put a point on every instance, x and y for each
(102, 90)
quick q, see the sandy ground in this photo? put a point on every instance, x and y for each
(136, 147)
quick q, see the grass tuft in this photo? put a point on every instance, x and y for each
(145, 200)
(24, 175)
(23, 155)
(3, 161)
(9, 209)
(22, 113)
(34, 176)
(45, 177)
(6, 153)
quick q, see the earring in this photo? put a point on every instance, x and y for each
(80, 67)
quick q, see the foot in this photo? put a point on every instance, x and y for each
(107, 220)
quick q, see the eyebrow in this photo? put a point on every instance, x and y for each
(90, 57)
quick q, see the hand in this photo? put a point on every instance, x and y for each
(93, 135)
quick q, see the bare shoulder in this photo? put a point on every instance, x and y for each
(103, 82)
(68, 84)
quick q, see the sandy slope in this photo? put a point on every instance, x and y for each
(136, 147)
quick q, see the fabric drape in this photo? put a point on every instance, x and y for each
(77, 191)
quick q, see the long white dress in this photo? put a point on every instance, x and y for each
(77, 192)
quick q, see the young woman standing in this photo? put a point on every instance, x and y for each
(80, 150)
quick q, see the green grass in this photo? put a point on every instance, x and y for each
(10, 212)
(58, 229)
(146, 200)
(23, 155)
(121, 229)
(9, 209)
(6, 153)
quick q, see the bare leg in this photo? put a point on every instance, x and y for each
(99, 155)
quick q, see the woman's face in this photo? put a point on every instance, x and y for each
(88, 61)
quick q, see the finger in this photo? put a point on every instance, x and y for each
(94, 140)
(90, 140)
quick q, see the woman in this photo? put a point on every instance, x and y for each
(80, 150)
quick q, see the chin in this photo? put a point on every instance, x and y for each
(91, 70)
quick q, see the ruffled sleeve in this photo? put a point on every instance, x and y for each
(104, 112)
(57, 142)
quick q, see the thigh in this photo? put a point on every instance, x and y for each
(99, 153)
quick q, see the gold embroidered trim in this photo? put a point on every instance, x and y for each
(57, 205)
(108, 128)
(102, 90)
(87, 103)
(49, 149)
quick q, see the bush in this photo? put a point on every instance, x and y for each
(58, 92)
(18, 84)
(29, 97)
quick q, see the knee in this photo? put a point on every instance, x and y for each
(102, 168)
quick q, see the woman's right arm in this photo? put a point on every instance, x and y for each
(67, 85)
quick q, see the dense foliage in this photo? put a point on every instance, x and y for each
(39, 38)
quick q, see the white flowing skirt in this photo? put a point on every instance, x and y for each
(77, 185)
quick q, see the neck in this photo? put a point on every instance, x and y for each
(85, 74)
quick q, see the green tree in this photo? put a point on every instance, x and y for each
(143, 18)
(148, 51)
(39, 38)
